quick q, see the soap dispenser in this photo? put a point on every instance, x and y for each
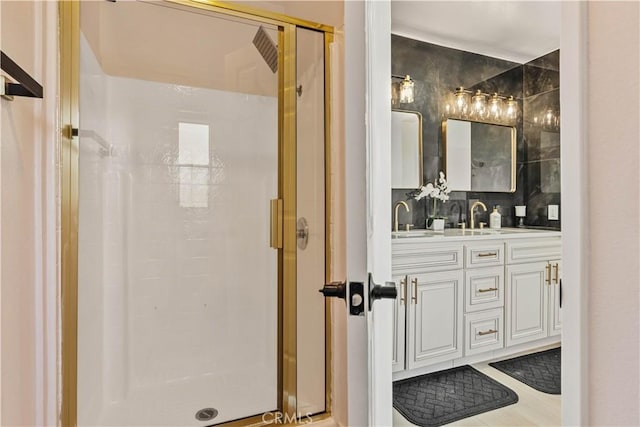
(495, 219)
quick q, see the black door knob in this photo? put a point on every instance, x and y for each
(376, 292)
(335, 290)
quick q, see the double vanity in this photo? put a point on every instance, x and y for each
(468, 295)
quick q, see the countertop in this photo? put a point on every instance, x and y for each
(457, 234)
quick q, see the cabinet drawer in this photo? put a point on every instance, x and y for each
(483, 331)
(411, 257)
(527, 250)
(484, 254)
(484, 288)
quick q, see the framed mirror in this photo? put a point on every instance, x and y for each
(406, 149)
(479, 156)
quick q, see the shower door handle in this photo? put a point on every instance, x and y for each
(302, 233)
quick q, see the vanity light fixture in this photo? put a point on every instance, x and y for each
(482, 107)
(402, 92)
(548, 120)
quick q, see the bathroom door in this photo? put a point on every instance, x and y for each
(378, 64)
(368, 213)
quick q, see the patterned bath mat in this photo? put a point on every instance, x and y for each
(446, 396)
(538, 370)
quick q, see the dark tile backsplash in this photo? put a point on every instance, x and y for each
(437, 71)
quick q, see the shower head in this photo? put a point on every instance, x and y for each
(267, 49)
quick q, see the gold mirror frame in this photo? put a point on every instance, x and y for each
(513, 150)
(420, 148)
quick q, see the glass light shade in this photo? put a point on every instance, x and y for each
(478, 105)
(406, 90)
(395, 93)
(460, 102)
(495, 107)
(549, 118)
(511, 112)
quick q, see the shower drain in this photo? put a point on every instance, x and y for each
(206, 414)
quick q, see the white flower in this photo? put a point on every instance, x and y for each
(442, 180)
(425, 191)
(438, 190)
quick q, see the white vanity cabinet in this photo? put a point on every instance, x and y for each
(466, 296)
(533, 287)
(429, 319)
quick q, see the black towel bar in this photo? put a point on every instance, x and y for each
(26, 85)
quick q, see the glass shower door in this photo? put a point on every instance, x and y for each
(177, 283)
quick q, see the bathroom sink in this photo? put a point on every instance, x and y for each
(469, 232)
(414, 233)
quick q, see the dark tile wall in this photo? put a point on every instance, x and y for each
(437, 71)
(542, 144)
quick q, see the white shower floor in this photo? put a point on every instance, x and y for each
(176, 403)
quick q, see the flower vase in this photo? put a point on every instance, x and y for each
(437, 224)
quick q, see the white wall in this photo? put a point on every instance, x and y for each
(18, 224)
(177, 282)
(614, 135)
(27, 228)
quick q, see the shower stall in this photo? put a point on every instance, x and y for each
(194, 208)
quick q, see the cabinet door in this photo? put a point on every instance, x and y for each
(399, 323)
(555, 312)
(435, 328)
(526, 308)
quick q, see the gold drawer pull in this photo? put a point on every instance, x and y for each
(487, 254)
(488, 290)
(490, 331)
(557, 267)
(403, 290)
(414, 282)
(548, 278)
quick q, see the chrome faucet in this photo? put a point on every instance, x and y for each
(395, 221)
(472, 221)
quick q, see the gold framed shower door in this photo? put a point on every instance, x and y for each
(69, 37)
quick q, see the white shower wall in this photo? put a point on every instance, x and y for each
(177, 303)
